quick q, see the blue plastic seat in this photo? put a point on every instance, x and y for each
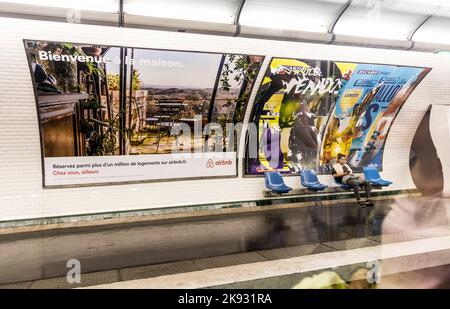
(309, 180)
(343, 185)
(275, 182)
(371, 175)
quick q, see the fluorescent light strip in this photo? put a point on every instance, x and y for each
(110, 6)
(216, 11)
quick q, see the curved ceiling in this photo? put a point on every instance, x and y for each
(404, 24)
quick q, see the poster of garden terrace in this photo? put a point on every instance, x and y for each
(118, 114)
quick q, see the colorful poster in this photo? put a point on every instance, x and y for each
(112, 114)
(364, 112)
(308, 111)
(291, 110)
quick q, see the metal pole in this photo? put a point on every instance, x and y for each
(122, 99)
(213, 95)
(122, 87)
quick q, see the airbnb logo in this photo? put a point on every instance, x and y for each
(210, 163)
(224, 162)
(218, 163)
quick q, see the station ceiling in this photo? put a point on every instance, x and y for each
(400, 24)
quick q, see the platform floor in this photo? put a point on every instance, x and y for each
(138, 250)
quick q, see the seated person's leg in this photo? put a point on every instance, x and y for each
(367, 187)
(355, 186)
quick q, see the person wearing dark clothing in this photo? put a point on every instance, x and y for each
(343, 174)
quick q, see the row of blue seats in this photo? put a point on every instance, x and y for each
(309, 180)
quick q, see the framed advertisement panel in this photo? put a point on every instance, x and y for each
(112, 114)
(309, 111)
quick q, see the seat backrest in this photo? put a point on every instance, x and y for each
(371, 172)
(273, 179)
(336, 182)
(308, 176)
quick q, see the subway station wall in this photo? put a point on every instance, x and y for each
(22, 194)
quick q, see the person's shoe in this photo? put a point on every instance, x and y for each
(360, 204)
(369, 202)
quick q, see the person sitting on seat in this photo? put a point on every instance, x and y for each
(343, 174)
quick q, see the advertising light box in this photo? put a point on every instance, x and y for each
(111, 114)
(309, 111)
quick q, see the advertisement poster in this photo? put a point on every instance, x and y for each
(364, 112)
(111, 114)
(308, 111)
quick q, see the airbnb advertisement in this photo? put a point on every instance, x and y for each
(112, 114)
(111, 169)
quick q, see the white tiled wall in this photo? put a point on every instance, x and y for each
(21, 193)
